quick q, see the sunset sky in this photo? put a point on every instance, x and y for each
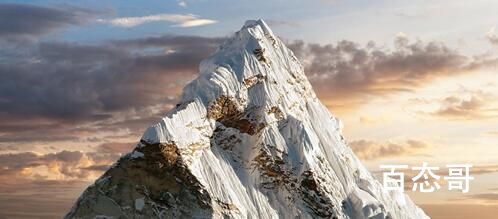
(412, 81)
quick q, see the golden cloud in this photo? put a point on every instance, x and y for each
(374, 150)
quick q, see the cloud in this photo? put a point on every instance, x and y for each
(176, 43)
(492, 37)
(347, 70)
(62, 165)
(460, 211)
(465, 104)
(132, 82)
(456, 107)
(83, 81)
(180, 20)
(38, 185)
(77, 91)
(493, 197)
(84, 89)
(374, 150)
(27, 21)
(182, 4)
(22, 164)
(115, 147)
(484, 169)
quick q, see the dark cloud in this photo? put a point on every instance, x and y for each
(347, 70)
(55, 91)
(71, 81)
(373, 150)
(25, 21)
(204, 45)
(24, 133)
(17, 131)
(41, 137)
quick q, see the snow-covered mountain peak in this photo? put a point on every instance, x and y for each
(253, 66)
(249, 139)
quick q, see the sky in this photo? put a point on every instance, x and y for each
(412, 81)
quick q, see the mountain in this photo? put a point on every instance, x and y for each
(249, 139)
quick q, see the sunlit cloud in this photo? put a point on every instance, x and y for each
(179, 20)
(465, 104)
(374, 150)
(62, 165)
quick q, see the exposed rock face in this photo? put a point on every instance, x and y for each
(249, 139)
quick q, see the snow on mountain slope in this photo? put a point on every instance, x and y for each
(249, 139)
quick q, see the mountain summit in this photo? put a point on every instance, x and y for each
(249, 139)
